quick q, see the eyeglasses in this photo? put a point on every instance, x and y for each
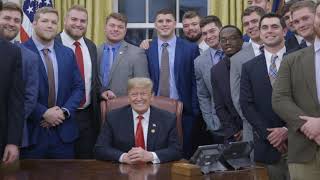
(231, 39)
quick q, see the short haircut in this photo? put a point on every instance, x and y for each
(118, 16)
(140, 82)
(190, 14)
(10, 6)
(78, 8)
(303, 4)
(251, 9)
(210, 19)
(233, 27)
(45, 10)
(287, 6)
(273, 15)
(165, 11)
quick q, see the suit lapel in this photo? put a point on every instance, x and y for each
(309, 72)
(177, 59)
(128, 127)
(43, 71)
(59, 57)
(153, 130)
(154, 62)
(118, 58)
(262, 71)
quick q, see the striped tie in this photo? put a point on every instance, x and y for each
(273, 69)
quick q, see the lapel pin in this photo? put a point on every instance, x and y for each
(154, 125)
(153, 131)
(120, 52)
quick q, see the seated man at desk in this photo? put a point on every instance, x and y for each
(139, 132)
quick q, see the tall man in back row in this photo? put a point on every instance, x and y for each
(171, 69)
(88, 113)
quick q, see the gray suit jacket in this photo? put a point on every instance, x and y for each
(236, 63)
(202, 66)
(130, 62)
(294, 95)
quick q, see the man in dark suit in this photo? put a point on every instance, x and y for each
(10, 22)
(139, 132)
(257, 78)
(295, 99)
(11, 95)
(51, 126)
(231, 43)
(88, 113)
(170, 61)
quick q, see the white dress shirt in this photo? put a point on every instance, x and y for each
(145, 127)
(203, 46)
(68, 41)
(268, 55)
(256, 48)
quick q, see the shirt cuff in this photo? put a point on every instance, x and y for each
(121, 157)
(66, 112)
(285, 128)
(155, 160)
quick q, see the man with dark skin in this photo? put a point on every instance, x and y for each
(231, 43)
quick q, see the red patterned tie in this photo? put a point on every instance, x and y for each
(139, 139)
(79, 58)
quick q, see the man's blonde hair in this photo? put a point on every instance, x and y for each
(140, 82)
(45, 10)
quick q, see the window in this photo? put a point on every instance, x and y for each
(141, 15)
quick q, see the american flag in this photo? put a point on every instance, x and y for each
(29, 9)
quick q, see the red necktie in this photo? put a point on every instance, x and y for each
(79, 58)
(139, 139)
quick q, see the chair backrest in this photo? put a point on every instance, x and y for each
(164, 103)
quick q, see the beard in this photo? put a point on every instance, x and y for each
(193, 39)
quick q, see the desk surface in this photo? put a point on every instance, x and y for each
(96, 170)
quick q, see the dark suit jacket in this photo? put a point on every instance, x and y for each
(294, 95)
(255, 101)
(11, 95)
(227, 113)
(30, 71)
(185, 53)
(292, 43)
(95, 84)
(117, 135)
(70, 92)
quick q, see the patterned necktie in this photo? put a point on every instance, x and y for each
(303, 44)
(164, 72)
(261, 49)
(139, 139)
(80, 63)
(51, 82)
(273, 69)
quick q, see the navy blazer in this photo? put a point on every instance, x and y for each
(255, 101)
(227, 113)
(185, 54)
(117, 135)
(30, 76)
(11, 95)
(70, 92)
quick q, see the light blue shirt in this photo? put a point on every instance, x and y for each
(317, 65)
(171, 50)
(215, 57)
(53, 57)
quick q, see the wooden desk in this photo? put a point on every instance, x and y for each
(100, 170)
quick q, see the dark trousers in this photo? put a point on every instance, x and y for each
(49, 146)
(87, 136)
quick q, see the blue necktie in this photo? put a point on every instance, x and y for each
(218, 56)
(106, 64)
(273, 69)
